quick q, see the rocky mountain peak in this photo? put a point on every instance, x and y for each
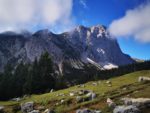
(78, 47)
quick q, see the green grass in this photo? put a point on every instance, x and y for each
(102, 90)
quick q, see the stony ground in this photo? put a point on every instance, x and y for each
(80, 96)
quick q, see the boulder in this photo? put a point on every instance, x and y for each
(142, 79)
(108, 82)
(126, 109)
(62, 101)
(79, 99)
(71, 94)
(139, 102)
(16, 99)
(91, 95)
(1, 109)
(46, 111)
(49, 111)
(52, 90)
(27, 107)
(110, 103)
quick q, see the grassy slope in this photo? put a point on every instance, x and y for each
(102, 90)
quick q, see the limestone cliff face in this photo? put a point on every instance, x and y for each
(77, 47)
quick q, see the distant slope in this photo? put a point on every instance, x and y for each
(102, 90)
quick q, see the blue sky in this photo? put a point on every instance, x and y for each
(104, 12)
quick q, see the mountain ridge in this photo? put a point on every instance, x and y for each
(80, 46)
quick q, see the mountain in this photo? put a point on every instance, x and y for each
(74, 49)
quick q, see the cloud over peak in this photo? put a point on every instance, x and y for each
(136, 23)
(22, 14)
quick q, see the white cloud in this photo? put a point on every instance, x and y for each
(83, 3)
(27, 14)
(136, 23)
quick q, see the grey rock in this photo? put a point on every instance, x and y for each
(52, 90)
(51, 111)
(108, 82)
(110, 103)
(139, 102)
(142, 79)
(16, 99)
(1, 109)
(126, 109)
(27, 107)
(35, 111)
(91, 95)
(87, 111)
(79, 99)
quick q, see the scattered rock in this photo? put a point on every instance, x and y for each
(142, 79)
(109, 85)
(60, 94)
(34, 111)
(79, 99)
(139, 102)
(52, 90)
(40, 108)
(126, 109)
(91, 96)
(16, 99)
(97, 111)
(110, 103)
(135, 91)
(49, 111)
(57, 104)
(1, 109)
(71, 94)
(82, 85)
(124, 89)
(87, 111)
(46, 111)
(86, 91)
(62, 101)
(94, 84)
(108, 82)
(81, 92)
(27, 107)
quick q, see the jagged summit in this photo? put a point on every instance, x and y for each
(78, 47)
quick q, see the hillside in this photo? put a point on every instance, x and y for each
(63, 101)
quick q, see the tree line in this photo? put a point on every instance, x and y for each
(37, 77)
